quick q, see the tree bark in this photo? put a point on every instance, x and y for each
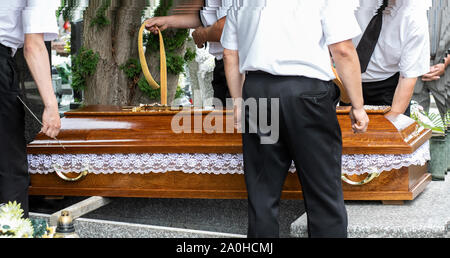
(115, 43)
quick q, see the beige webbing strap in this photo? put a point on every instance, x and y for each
(145, 69)
(344, 96)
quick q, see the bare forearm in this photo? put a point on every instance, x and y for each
(36, 55)
(349, 71)
(214, 32)
(403, 95)
(38, 62)
(184, 21)
(235, 79)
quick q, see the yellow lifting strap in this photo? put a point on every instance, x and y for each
(163, 65)
(344, 96)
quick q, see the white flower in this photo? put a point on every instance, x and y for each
(11, 210)
(25, 229)
(12, 224)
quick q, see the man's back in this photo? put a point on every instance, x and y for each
(294, 35)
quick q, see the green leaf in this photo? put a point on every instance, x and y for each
(84, 64)
(100, 19)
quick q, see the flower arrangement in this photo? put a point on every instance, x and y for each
(11, 222)
(12, 225)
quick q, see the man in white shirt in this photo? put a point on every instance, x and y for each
(401, 52)
(209, 26)
(265, 39)
(23, 23)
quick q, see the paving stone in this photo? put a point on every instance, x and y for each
(428, 216)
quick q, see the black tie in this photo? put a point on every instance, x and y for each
(370, 37)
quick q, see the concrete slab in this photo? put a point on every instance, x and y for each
(227, 216)
(92, 228)
(79, 209)
(426, 217)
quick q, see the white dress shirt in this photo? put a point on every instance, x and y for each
(213, 11)
(404, 44)
(289, 37)
(20, 17)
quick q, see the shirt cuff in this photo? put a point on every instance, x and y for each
(49, 33)
(349, 36)
(229, 45)
(414, 74)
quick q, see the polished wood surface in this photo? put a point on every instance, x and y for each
(188, 7)
(392, 185)
(112, 129)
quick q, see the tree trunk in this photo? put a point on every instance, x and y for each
(153, 59)
(115, 43)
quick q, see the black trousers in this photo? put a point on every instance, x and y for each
(310, 136)
(14, 177)
(219, 83)
(381, 93)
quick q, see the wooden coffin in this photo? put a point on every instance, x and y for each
(119, 130)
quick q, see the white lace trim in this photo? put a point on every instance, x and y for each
(203, 163)
(361, 164)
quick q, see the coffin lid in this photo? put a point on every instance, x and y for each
(115, 129)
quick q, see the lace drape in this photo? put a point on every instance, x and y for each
(203, 163)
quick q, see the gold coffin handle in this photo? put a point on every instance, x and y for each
(365, 181)
(163, 65)
(61, 175)
(70, 179)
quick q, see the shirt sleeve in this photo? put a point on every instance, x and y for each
(229, 38)
(415, 57)
(40, 17)
(224, 8)
(339, 21)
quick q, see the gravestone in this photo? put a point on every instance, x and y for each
(76, 36)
